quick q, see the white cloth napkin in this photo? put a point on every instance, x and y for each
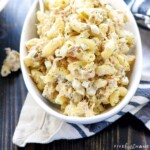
(36, 126)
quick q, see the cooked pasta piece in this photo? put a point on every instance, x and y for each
(36, 75)
(56, 29)
(109, 48)
(51, 47)
(105, 70)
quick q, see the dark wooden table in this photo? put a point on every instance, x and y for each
(126, 131)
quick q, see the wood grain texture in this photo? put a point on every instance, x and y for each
(13, 92)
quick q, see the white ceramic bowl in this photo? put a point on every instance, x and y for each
(29, 31)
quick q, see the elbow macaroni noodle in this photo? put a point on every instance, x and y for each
(81, 59)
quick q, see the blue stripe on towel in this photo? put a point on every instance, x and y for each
(121, 113)
(144, 82)
(144, 113)
(82, 133)
(127, 1)
(143, 92)
(144, 7)
(96, 127)
(134, 104)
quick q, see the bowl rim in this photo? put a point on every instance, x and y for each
(83, 120)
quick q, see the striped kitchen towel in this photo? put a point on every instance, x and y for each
(39, 127)
(141, 11)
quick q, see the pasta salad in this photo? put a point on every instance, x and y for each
(81, 57)
(11, 62)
